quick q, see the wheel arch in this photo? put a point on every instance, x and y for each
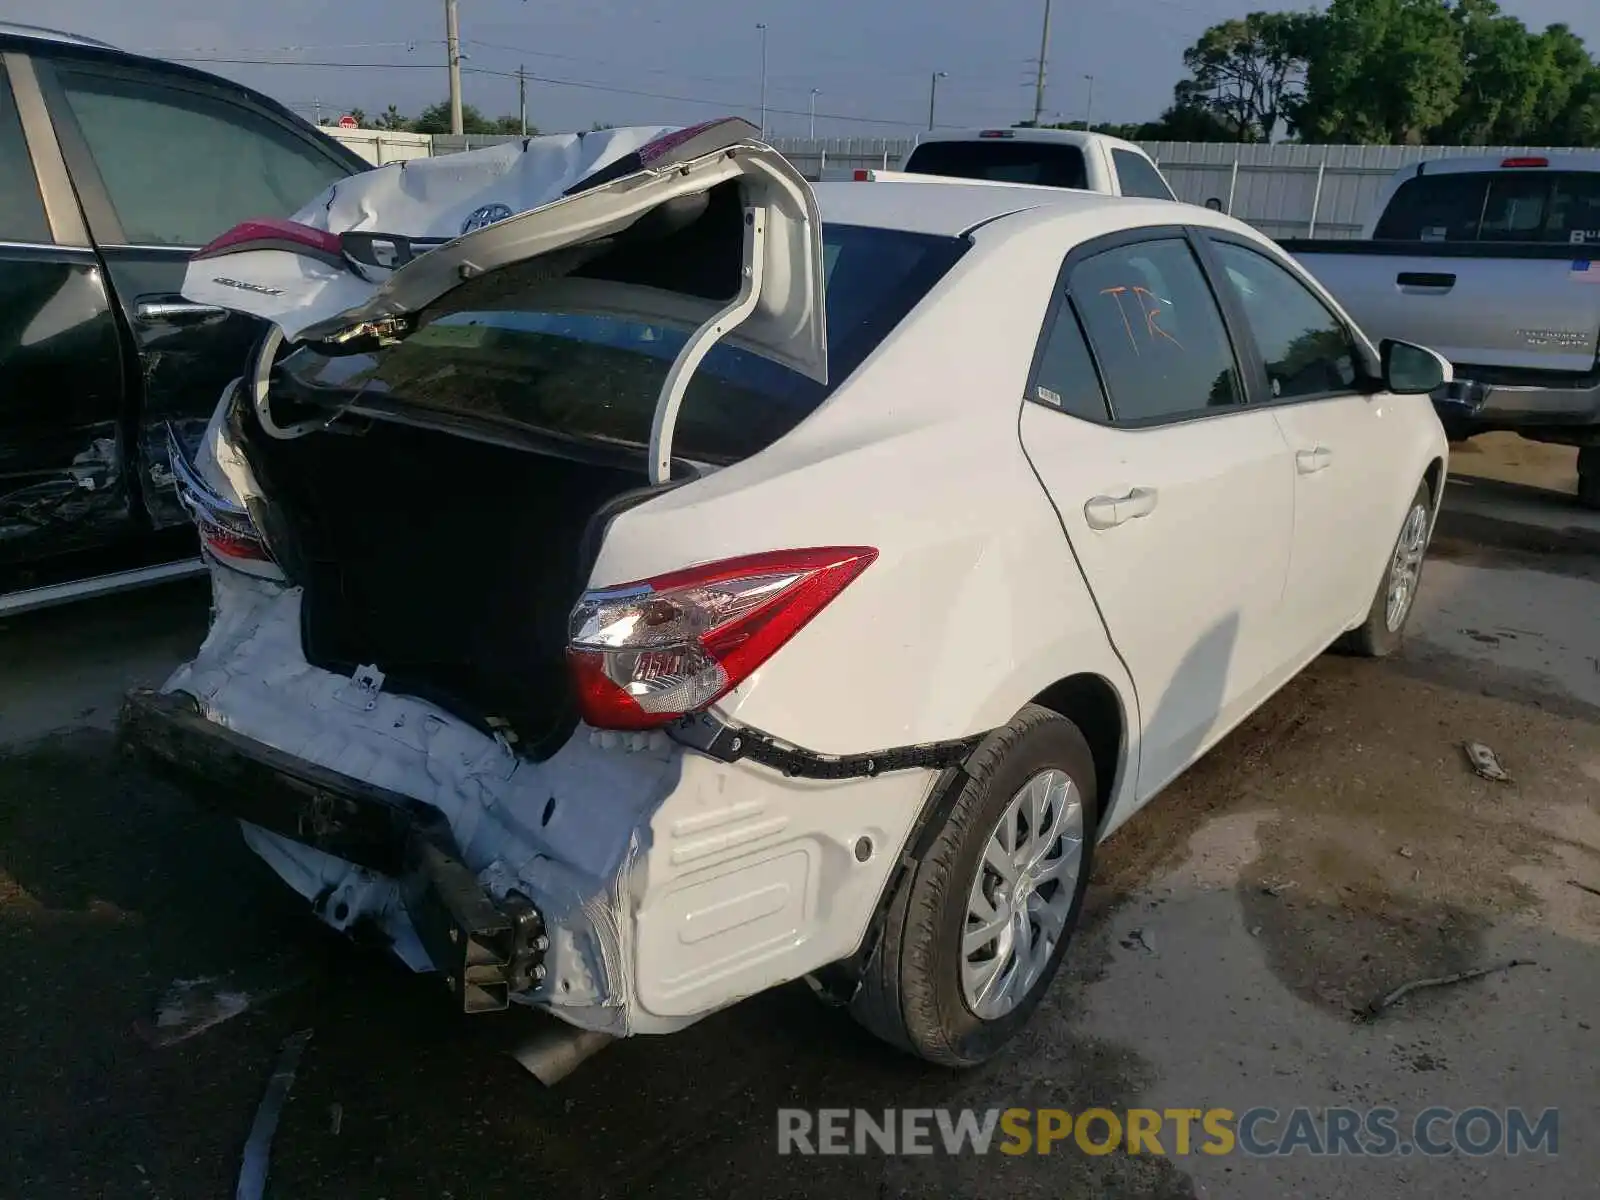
(1093, 704)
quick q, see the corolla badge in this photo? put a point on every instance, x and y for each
(487, 215)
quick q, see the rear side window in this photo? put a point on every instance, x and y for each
(1138, 176)
(1001, 160)
(22, 216)
(1496, 206)
(504, 359)
(180, 167)
(1066, 378)
(1156, 330)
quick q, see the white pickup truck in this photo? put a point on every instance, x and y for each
(1495, 262)
(1065, 158)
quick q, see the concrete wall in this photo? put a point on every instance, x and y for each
(1283, 190)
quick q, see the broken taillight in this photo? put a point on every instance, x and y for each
(646, 653)
(272, 234)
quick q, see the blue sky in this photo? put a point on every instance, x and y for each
(870, 59)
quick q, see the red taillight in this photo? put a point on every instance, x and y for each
(644, 654)
(862, 175)
(276, 235)
(229, 544)
(996, 133)
(1525, 162)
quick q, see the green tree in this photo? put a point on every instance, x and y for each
(436, 119)
(513, 124)
(1381, 71)
(1250, 71)
(390, 118)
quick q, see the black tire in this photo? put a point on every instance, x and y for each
(1373, 638)
(911, 995)
(1589, 476)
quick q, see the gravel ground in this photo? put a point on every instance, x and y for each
(1333, 847)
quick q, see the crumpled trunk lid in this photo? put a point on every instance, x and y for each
(383, 246)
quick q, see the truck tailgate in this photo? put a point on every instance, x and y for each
(1520, 307)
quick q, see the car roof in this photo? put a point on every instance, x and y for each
(1522, 163)
(1025, 133)
(40, 34)
(957, 207)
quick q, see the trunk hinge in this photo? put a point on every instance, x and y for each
(702, 339)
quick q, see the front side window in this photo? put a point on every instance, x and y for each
(180, 167)
(1156, 330)
(1138, 176)
(1307, 350)
(22, 216)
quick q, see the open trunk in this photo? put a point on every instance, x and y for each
(449, 564)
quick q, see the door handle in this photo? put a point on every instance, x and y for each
(1428, 279)
(1309, 462)
(175, 310)
(1106, 512)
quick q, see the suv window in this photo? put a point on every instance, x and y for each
(22, 216)
(1052, 164)
(1156, 331)
(1495, 206)
(1066, 378)
(1138, 176)
(507, 358)
(180, 167)
(1308, 351)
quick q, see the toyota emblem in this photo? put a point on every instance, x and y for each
(487, 215)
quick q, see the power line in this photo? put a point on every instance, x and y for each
(586, 85)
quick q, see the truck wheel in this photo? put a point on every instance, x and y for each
(1381, 633)
(978, 927)
(1589, 476)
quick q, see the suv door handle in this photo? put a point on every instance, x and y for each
(1309, 462)
(1106, 512)
(1426, 279)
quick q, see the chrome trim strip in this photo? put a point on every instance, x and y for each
(49, 247)
(196, 495)
(33, 599)
(49, 167)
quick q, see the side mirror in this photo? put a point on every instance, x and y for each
(1214, 204)
(1413, 370)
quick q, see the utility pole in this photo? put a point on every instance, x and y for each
(452, 42)
(522, 98)
(1088, 116)
(762, 26)
(1044, 59)
(933, 92)
(812, 131)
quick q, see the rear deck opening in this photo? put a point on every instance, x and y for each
(445, 523)
(450, 564)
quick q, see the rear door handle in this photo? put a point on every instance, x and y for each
(1309, 462)
(1106, 512)
(174, 311)
(1427, 279)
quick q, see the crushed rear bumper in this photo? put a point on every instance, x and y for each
(487, 948)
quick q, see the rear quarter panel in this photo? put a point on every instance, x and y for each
(975, 604)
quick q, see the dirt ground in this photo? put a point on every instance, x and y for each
(1335, 846)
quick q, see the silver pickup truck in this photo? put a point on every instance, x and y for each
(1495, 262)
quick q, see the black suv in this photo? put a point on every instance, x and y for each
(113, 169)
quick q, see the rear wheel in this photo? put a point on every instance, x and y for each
(977, 930)
(1589, 476)
(1382, 632)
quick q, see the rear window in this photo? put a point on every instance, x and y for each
(596, 378)
(1495, 206)
(1049, 164)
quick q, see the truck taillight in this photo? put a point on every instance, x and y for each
(1515, 163)
(646, 653)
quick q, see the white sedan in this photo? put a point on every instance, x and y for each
(701, 581)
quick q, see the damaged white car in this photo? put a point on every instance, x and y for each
(642, 579)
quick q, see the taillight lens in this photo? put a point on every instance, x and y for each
(646, 653)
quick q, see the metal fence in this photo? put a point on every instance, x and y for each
(1283, 190)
